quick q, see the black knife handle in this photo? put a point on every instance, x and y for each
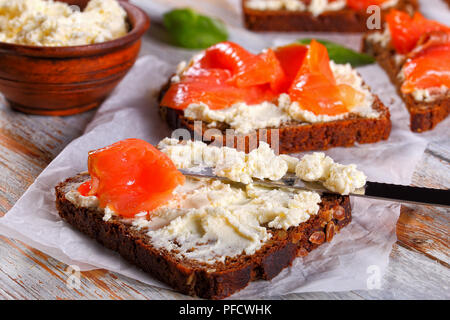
(436, 197)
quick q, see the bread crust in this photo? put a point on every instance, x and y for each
(424, 116)
(345, 20)
(294, 137)
(197, 279)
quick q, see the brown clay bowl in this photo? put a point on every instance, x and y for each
(69, 80)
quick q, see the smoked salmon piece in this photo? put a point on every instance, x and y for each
(246, 69)
(406, 30)
(315, 88)
(131, 176)
(427, 69)
(226, 74)
(363, 4)
(291, 59)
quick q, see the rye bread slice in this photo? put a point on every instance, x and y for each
(424, 116)
(345, 20)
(294, 136)
(194, 278)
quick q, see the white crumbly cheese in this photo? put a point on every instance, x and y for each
(314, 167)
(291, 5)
(343, 179)
(389, 4)
(261, 163)
(108, 214)
(81, 201)
(245, 118)
(140, 223)
(399, 58)
(180, 69)
(316, 7)
(290, 161)
(53, 23)
(197, 153)
(240, 116)
(264, 4)
(430, 94)
(382, 38)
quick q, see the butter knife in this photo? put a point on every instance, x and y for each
(373, 190)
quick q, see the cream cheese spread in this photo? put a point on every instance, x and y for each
(53, 23)
(245, 118)
(316, 7)
(227, 221)
(208, 220)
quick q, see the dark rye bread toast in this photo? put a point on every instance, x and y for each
(345, 20)
(424, 116)
(294, 136)
(215, 281)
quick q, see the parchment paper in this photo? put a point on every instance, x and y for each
(348, 263)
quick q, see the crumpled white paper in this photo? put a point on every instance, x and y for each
(131, 111)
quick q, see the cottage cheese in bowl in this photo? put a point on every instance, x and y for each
(55, 24)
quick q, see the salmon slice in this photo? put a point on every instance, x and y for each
(406, 30)
(428, 69)
(428, 40)
(315, 88)
(363, 4)
(226, 74)
(131, 176)
(291, 59)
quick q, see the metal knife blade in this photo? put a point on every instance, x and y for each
(374, 190)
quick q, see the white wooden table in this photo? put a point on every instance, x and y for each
(419, 263)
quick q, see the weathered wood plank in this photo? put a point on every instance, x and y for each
(27, 145)
(426, 228)
(26, 273)
(410, 275)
